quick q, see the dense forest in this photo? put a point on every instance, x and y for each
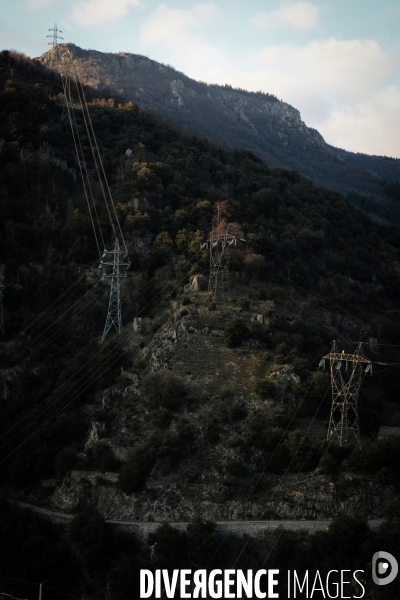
(311, 262)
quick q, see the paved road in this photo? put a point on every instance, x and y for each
(234, 526)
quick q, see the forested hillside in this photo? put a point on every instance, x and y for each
(198, 408)
(255, 121)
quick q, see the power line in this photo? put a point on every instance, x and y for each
(93, 378)
(10, 596)
(120, 255)
(43, 314)
(38, 406)
(18, 580)
(73, 341)
(62, 593)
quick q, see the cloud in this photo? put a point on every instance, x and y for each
(181, 32)
(39, 4)
(14, 38)
(173, 24)
(340, 86)
(371, 127)
(89, 13)
(298, 16)
(338, 70)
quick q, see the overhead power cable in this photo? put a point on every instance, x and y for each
(120, 251)
(96, 152)
(81, 161)
(103, 367)
(48, 312)
(75, 339)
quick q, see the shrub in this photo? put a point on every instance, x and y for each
(135, 471)
(64, 461)
(236, 412)
(235, 332)
(186, 300)
(161, 418)
(202, 540)
(265, 388)
(328, 465)
(244, 303)
(164, 390)
(104, 458)
(296, 451)
(383, 453)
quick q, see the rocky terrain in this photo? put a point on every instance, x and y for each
(313, 496)
(228, 479)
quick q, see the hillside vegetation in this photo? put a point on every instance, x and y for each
(198, 408)
(255, 121)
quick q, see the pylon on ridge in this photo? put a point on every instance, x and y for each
(346, 377)
(55, 37)
(217, 244)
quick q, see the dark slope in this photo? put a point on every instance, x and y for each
(304, 242)
(159, 432)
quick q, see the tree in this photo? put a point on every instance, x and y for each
(235, 332)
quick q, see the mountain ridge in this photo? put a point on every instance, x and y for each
(255, 121)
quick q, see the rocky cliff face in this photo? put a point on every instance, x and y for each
(217, 481)
(269, 127)
(314, 496)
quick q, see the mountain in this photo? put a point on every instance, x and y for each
(197, 409)
(255, 121)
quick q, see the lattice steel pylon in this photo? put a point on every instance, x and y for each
(219, 261)
(2, 286)
(55, 37)
(346, 376)
(54, 43)
(118, 260)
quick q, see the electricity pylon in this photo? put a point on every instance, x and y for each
(55, 37)
(118, 260)
(219, 261)
(54, 43)
(2, 286)
(346, 377)
(115, 262)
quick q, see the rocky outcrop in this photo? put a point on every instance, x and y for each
(298, 497)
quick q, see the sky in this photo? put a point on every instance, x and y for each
(337, 61)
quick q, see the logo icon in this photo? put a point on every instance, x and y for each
(385, 564)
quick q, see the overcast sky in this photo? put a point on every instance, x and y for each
(337, 61)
